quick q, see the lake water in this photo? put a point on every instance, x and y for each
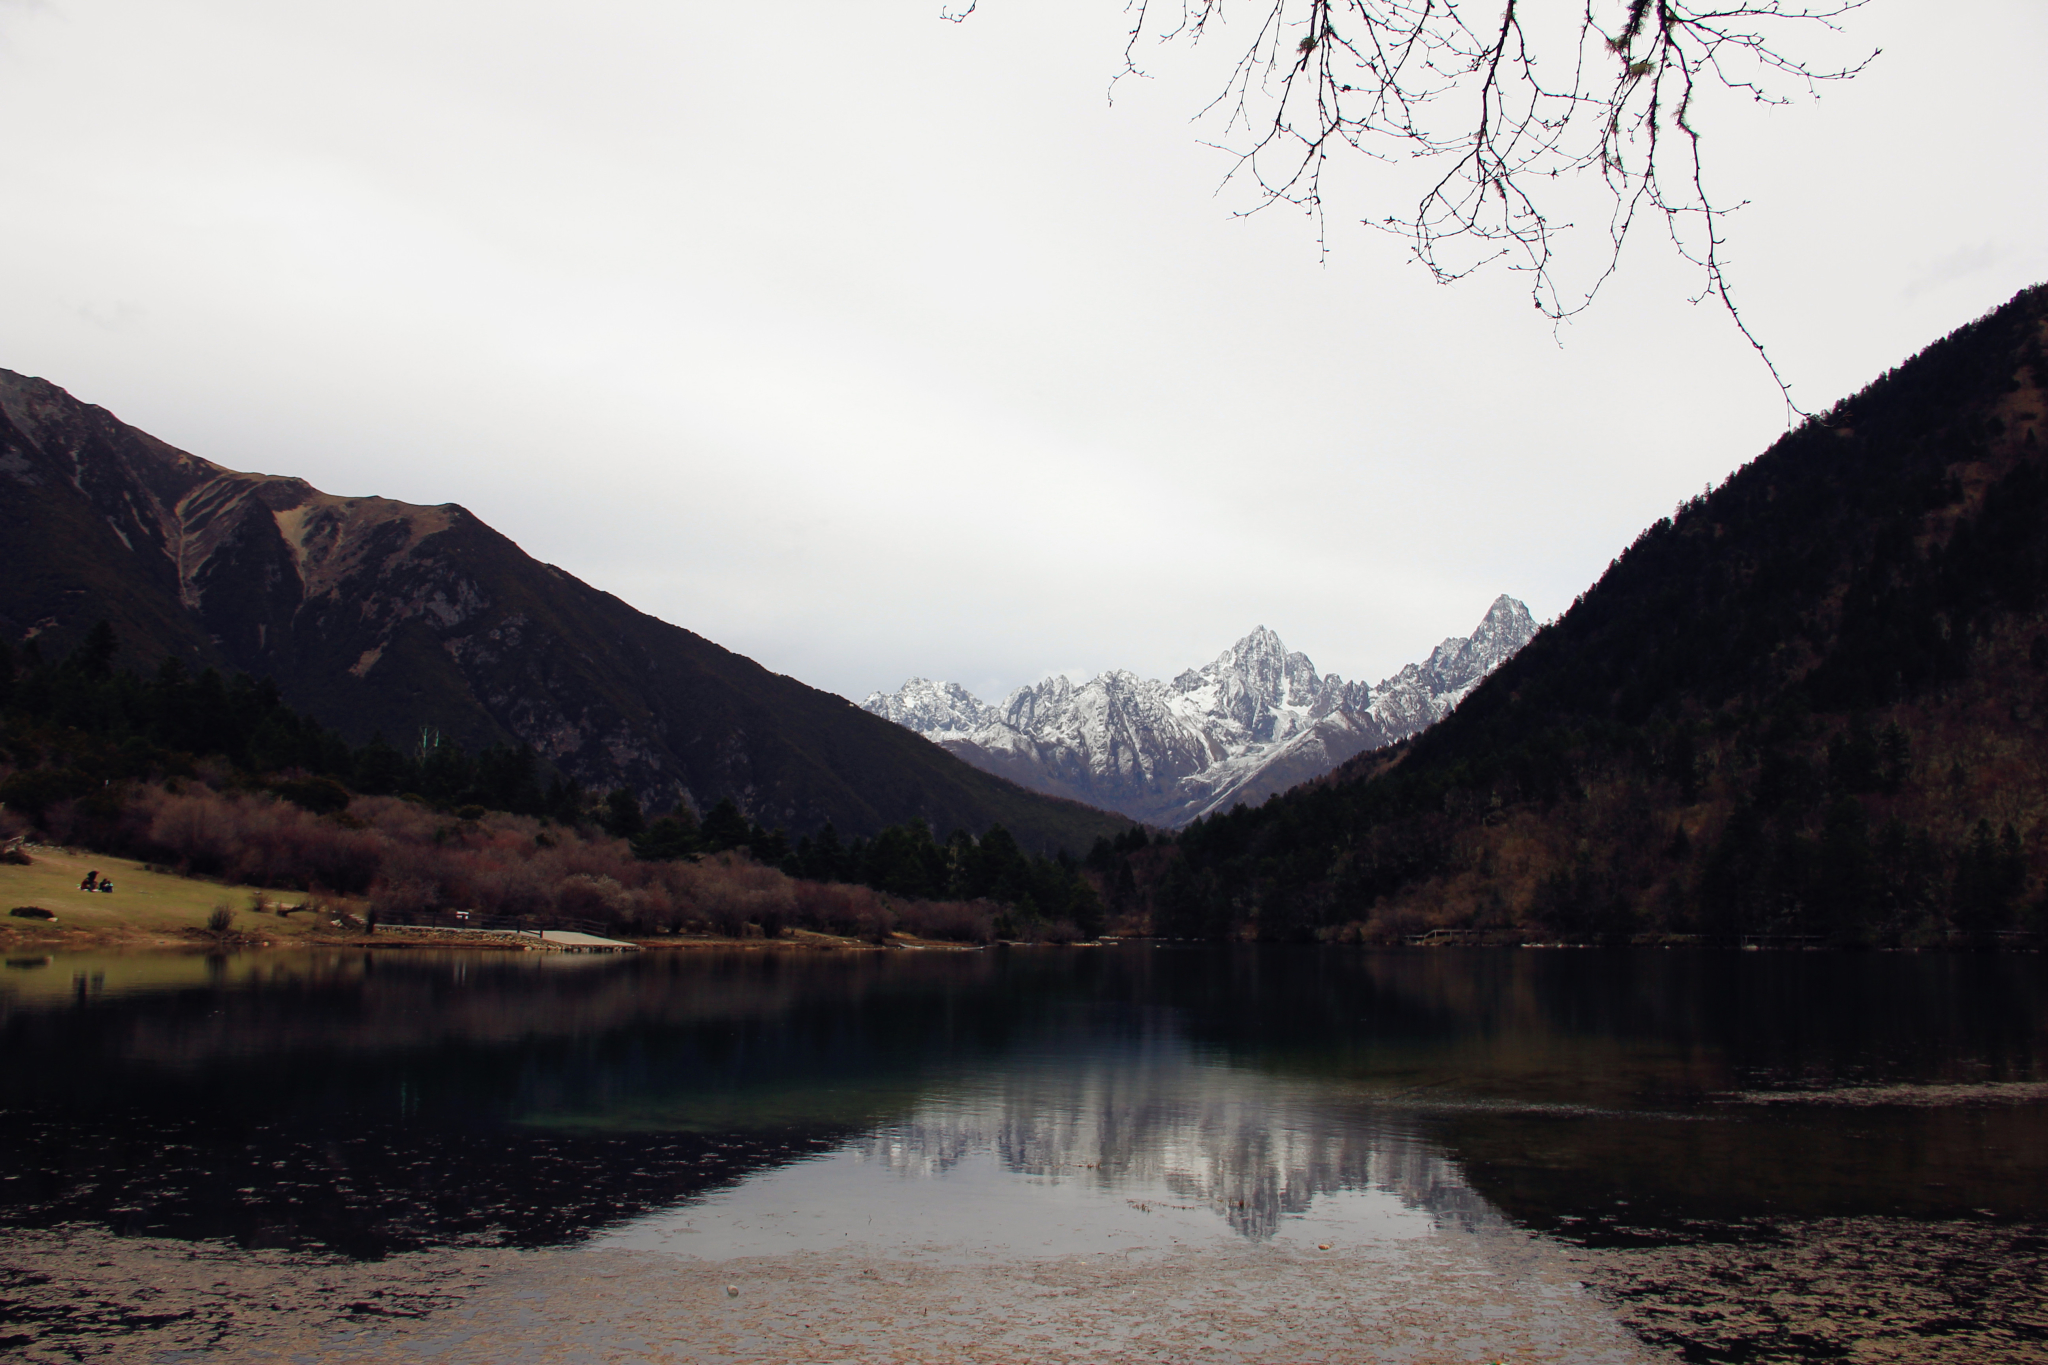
(1136, 1152)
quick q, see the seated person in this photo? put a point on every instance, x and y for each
(107, 886)
(91, 882)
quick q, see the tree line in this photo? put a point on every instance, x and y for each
(75, 724)
(1039, 893)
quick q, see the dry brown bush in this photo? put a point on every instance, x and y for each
(251, 838)
(586, 895)
(515, 886)
(837, 908)
(953, 921)
(410, 860)
(401, 898)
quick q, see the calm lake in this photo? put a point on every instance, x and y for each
(1133, 1152)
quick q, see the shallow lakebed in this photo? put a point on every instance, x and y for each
(1129, 1153)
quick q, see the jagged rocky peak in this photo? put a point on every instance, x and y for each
(1253, 720)
(932, 708)
(1252, 680)
(1028, 706)
(1506, 627)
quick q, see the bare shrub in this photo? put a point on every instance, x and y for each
(773, 913)
(837, 908)
(403, 898)
(249, 838)
(585, 895)
(725, 908)
(731, 892)
(194, 831)
(1394, 924)
(264, 849)
(397, 819)
(511, 885)
(60, 822)
(409, 860)
(329, 854)
(649, 910)
(952, 921)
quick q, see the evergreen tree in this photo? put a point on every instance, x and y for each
(1123, 889)
(1681, 764)
(667, 839)
(564, 800)
(997, 869)
(509, 779)
(379, 769)
(622, 817)
(725, 828)
(823, 859)
(1845, 885)
(903, 861)
(93, 660)
(1855, 758)
(770, 847)
(1990, 874)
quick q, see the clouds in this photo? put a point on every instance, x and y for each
(872, 345)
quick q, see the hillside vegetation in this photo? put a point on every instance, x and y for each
(219, 779)
(1809, 702)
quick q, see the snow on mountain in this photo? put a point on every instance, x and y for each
(1420, 694)
(936, 710)
(1254, 721)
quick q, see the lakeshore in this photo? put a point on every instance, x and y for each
(153, 909)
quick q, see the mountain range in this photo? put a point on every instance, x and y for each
(380, 616)
(1254, 721)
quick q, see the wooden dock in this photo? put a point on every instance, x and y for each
(552, 940)
(571, 941)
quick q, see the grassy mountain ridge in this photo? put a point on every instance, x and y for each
(379, 615)
(1810, 701)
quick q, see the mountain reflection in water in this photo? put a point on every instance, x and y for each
(1251, 1148)
(379, 1102)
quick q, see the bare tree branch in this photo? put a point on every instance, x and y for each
(1517, 111)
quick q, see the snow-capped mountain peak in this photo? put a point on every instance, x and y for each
(933, 709)
(1506, 628)
(1253, 721)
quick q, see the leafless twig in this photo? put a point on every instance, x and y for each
(1516, 104)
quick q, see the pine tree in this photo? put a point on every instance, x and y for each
(622, 817)
(667, 839)
(724, 828)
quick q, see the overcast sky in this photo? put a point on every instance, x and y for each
(872, 345)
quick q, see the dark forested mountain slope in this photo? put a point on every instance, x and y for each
(375, 615)
(1811, 701)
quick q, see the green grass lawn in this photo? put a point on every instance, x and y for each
(141, 902)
